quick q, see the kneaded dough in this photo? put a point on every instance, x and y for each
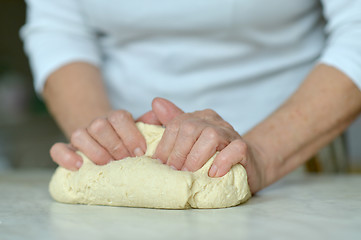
(145, 182)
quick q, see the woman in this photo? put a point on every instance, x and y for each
(284, 75)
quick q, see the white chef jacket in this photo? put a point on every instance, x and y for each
(241, 58)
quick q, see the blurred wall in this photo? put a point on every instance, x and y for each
(354, 144)
(26, 129)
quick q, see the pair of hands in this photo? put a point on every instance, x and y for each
(189, 140)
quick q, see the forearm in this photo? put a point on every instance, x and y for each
(75, 95)
(324, 105)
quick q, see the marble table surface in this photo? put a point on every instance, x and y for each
(298, 207)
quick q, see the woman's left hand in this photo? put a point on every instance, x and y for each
(190, 139)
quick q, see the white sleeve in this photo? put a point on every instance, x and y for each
(343, 29)
(55, 34)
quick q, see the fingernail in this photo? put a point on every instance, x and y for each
(173, 167)
(78, 164)
(185, 169)
(213, 171)
(160, 161)
(138, 152)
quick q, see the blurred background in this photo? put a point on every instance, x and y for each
(27, 131)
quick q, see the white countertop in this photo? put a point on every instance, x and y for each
(298, 207)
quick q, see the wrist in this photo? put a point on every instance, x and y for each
(265, 163)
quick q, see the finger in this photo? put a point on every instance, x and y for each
(165, 110)
(234, 153)
(125, 127)
(204, 148)
(187, 136)
(167, 141)
(102, 131)
(81, 140)
(149, 118)
(63, 155)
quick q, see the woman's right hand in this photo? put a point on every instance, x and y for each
(106, 139)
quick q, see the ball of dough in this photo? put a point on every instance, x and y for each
(145, 182)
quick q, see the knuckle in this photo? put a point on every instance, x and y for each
(241, 146)
(172, 126)
(98, 125)
(77, 134)
(100, 158)
(178, 155)
(176, 159)
(226, 125)
(53, 151)
(67, 158)
(118, 149)
(212, 115)
(130, 142)
(119, 116)
(222, 158)
(211, 133)
(188, 128)
(192, 163)
(161, 156)
(209, 111)
(54, 148)
(162, 151)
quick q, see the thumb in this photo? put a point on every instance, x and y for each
(150, 118)
(165, 110)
